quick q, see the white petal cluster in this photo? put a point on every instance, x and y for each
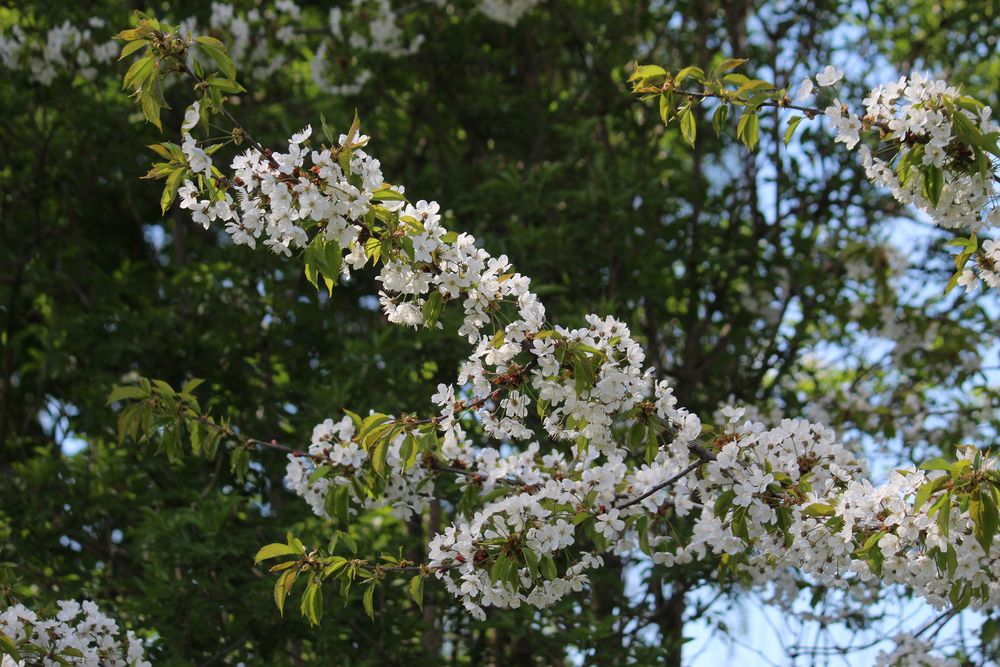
(918, 112)
(333, 444)
(913, 652)
(508, 12)
(258, 40)
(77, 627)
(752, 501)
(63, 49)
(987, 269)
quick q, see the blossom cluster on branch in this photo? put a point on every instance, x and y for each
(78, 634)
(611, 459)
(260, 40)
(935, 148)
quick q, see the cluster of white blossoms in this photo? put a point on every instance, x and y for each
(506, 11)
(614, 455)
(921, 112)
(79, 634)
(926, 128)
(987, 268)
(407, 491)
(61, 49)
(911, 651)
(260, 40)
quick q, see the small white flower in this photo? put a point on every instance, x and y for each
(968, 280)
(805, 89)
(300, 137)
(829, 76)
(191, 117)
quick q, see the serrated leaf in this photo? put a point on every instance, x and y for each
(719, 119)
(665, 107)
(747, 129)
(689, 129)
(818, 509)
(274, 550)
(793, 123)
(933, 184)
(171, 187)
(125, 392)
(368, 601)
(728, 64)
(432, 308)
(336, 564)
(219, 54)
(416, 590)
(547, 566)
(647, 72)
(723, 503)
(7, 647)
(693, 72)
(311, 606)
(138, 72)
(936, 463)
(283, 587)
(131, 48)
(226, 85)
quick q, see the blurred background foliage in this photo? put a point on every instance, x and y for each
(779, 279)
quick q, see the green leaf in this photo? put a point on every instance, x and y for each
(754, 84)
(191, 385)
(728, 64)
(138, 72)
(548, 567)
(274, 550)
(210, 41)
(239, 463)
(723, 503)
(126, 392)
(219, 54)
(131, 48)
(319, 473)
(312, 274)
(7, 647)
(283, 587)
(335, 564)
(936, 463)
(416, 590)
(225, 85)
(694, 72)
(312, 603)
(793, 123)
(647, 72)
(719, 119)
(355, 129)
(327, 257)
(369, 601)
(151, 110)
(170, 189)
(408, 451)
(689, 129)
(747, 129)
(933, 184)
(944, 513)
(583, 374)
(432, 308)
(666, 107)
(923, 493)
(818, 509)
(531, 562)
(387, 194)
(380, 455)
